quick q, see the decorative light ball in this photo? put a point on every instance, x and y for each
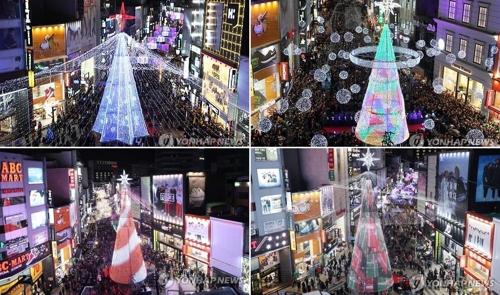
(319, 75)
(437, 81)
(367, 39)
(431, 52)
(406, 39)
(335, 37)
(355, 88)
(494, 50)
(429, 124)
(377, 29)
(297, 51)
(476, 94)
(357, 115)
(411, 62)
(433, 42)
(286, 51)
(325, 68)
(421, 54)
(303, 104)
(438, 89)
(346, 55)
(265, 125)
(332, 56)
(406, 32)
(365, 31)
(451, 58)
(284, 104)
(391, 26)
(343, 96)
(302, 23)
(320, 29)
(343, 75)
(341, 53)
(348, 37)
(358, 29)
(475, 137)
(319, 140)
(307, 93)
(461, 54)
(488, 62)
(320, 19)
(437, 51)
(420, 43)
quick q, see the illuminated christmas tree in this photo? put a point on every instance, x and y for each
(120, 114)
(128, 264)
(370, 270)
(383, 107)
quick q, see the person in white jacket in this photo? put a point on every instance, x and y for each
(178, 206)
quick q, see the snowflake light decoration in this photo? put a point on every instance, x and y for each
(343, 75)
(286, 51)
(348, 37)
(406, 31)
(475, 137)
(366, 31)
(355, 88)
(320, 20)
(332, 56)
(451, 58)
(319, 75)
(320, 29)
(124, 178)
(494, 50)
(265, 125)
(325, 68)
(437, 81)
(368, 159)
(429, 124)
(420, 43)
(358, 29)
(347, 55)
(367, 39)
(335, 37)
(343, 96)
(488, 62)
(356, 116)
(304, 104)
(433, 42)
(307, 93)
(438, 89)
(461, 54)
(283, 106)
(420, 54)
(319, 140)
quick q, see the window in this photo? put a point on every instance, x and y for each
(466, 14)
(463, 45)
(451, 9)
(449, 43)
(478, 53)
(481, 21)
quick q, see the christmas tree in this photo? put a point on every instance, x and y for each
(383, 107)
(120, 115)
(128, 264)
(370, 270)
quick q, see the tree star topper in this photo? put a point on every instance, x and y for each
(388, 7)
(124, 178)
(368, 159)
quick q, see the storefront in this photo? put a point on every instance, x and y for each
(271, 262)
(449, 245)
(463, 87)
(48, 99)
(332, 236)
(36, 272)
(12, 106)
(478, 253)
(197, 243)
(169, 238)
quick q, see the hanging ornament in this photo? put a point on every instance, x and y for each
(343, 96)
(341, 53)
(365, 31)
(406, 39)
(319, 75)
(307, 93)
(429, 124)
(451, 58)
(286, 51)
(438, 89)
(494, 50)
(437, 81)
(411, 62)
(346, 55)
(367, 39)
(488, 62)
(319, 140)
(325, 68)
(355, 88)
(356, 116)
(461, 54)
(320, 29)
(431, 52)
(433, 42)
(420, 43)
(368, 159)
(475, 137)
(406, 32)
(420, 54)
(297, 51)
(391, 26)
(335, 37)
(348, 37)
(343, 75)
(437, 51)
(332, 56)
(320, 19)
(303, 104)
(358, 29)
(283, 107)
(265, 125)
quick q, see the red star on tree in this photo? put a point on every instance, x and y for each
(122, 17)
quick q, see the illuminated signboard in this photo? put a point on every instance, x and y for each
(27, 17)
(30, 60)
(11, 172)
(264, 244)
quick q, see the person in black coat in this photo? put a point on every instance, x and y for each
(488, 180)
(496, 178)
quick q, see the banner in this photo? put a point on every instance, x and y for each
(10, 64)
(307, 227)
(168, 195)
(306, 205)
(268, 260)
(488, 178)
(196, 190)
(265, 24)
(271, 204)
(49, 41)
(327, 204)
(61, 218)
(197, 229)
(265, 57)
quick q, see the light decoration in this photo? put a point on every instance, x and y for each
(387, 6)
(475, 137)
(494, 50)
(265, 125)
(303, 104)
(461, 54)
(433, 42)
(320, 20)
(332, 56)
(383, 106)
(356, 116)
(286, 51)
(406, 31)
(320, 29)
(120, 115)
(420, 43)
(438, 89)
(367, 39)
(451, 58)
(343, 96)
(307, 93)
(430, 52)
(283, 107)
(319, 75)
(348, 37)
(128, 264)
(421, 54)
(347, 55)
(335, 37)
(429, 124)
(343, 75)
(355, 88)
(400, 63)
(370, 270)
(302, 23)
(368, 159)
(358, 29)
(365, 31)
(437, 81)
(122, 17)
(319, 140)
(325, 68)
(488, 62)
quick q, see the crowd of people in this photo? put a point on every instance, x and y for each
(453, 117)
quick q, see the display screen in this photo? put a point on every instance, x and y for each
(307, 227)
(168, 194)
(271, 204)
(488, 178)
(268, 260)
(269, 178)
(38, 219)
(452, 185)
(37, 198)
(227, 256)
(266, 154)
(35, 175)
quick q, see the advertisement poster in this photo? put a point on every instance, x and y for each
(38, 219)
(269, 178)
(7, 100)
(13, 63)
(88, 25)
(327, 204)
(37, 198)
(271, 204)
(306, 205)
(479, 235)
(307, 227)
(197, 229)
(215, 81)
(273, 226)
(11, 38)
(488, 179)
(49, 42)
(265, 57)
(196, 191)
(266, 154)
(266, 86)
(10, 9)
(268, 260)
(63, 235)
(265, 24)
(452, 185)
(35, 175)
(167, 194)
(61, 218)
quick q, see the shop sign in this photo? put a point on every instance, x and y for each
(273, 226)
(293, 242)
(36, 271)
(214, 109)
(9, 266)
(195, 49)
(168, 228)
(12, 190)
(266, 243)
(489, 98)
(232, 79)
(478, 236)
(331, 161)
(27, 17)
(232, 14)
(71, 178)
(284, 71)
(30, 60)
(11, 172)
